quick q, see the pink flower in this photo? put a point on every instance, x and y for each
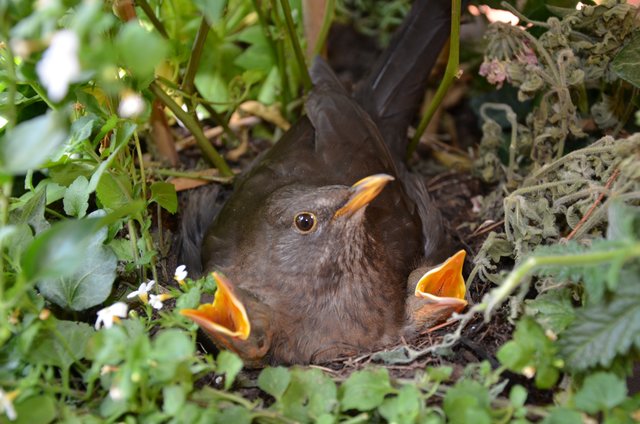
(494, 71)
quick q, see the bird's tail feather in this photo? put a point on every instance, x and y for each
(392, 93)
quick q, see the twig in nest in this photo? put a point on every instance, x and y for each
(593, 207)
(485, 229)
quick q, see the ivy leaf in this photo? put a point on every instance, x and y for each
(365, 390)
(165, 195)
(552, 309)
(76, 198)
(601, 391)
(91, 281)
(626, 62)
(603, 330)
(31, 143)
(274, 381)
(61, 345)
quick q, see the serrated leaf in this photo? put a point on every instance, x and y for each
(31, 143)
(601, 391)
(61, 346)
(626, 62)
(165, 195)
(274, 381)
(552, 309)
(603, 330)
(90, 283)
(365, 390)
(76, 198)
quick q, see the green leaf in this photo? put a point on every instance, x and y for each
(173, 398)
(403, 408)
(190, 299)
(467, 402)
(603, 330)
(563, 416)
(310, 395)
(114, 191)
(61, 345)
(76, 198)
(32, 212)
(552, 309)
(365, 390)
(234, 414)
(601, 391)
(213, 88)
(627, 61)
(531, 348)
(36, 410)
(274, 381)
(31, 143)
(171, 348)
(165, 195)
(211, 9)
(91, 281)
(140, 50)
(60, 250)
(230, 365)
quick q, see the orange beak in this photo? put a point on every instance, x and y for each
(226, 315)
(444, 283)
(363, 192)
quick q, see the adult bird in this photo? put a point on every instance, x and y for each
(313, 249)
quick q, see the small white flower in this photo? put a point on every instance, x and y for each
(143, 291)
(116, 393)
(156, 300)
(59, 65)
(131, 105)
(108, 315)
(180, 274)
(6, 404)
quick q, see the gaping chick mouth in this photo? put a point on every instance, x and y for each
(444, 284)
(226, 315)
(362, 193)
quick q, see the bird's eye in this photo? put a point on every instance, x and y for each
(305, 222)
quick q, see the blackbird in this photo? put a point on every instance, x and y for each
(313, 249)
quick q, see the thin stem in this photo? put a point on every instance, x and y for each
(326, 25)
(192, 175)
(152, 17)
(450, 73)
(291, 30)
(499, 294)
(205, 146)
(196, 55)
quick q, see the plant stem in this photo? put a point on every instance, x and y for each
(205, 146)
(450, 73)
(192, 175)
(291, 30)
(326, 25)
(499, 294)
(152, 17)
(196, 54)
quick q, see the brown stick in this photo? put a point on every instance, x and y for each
(586, 216)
